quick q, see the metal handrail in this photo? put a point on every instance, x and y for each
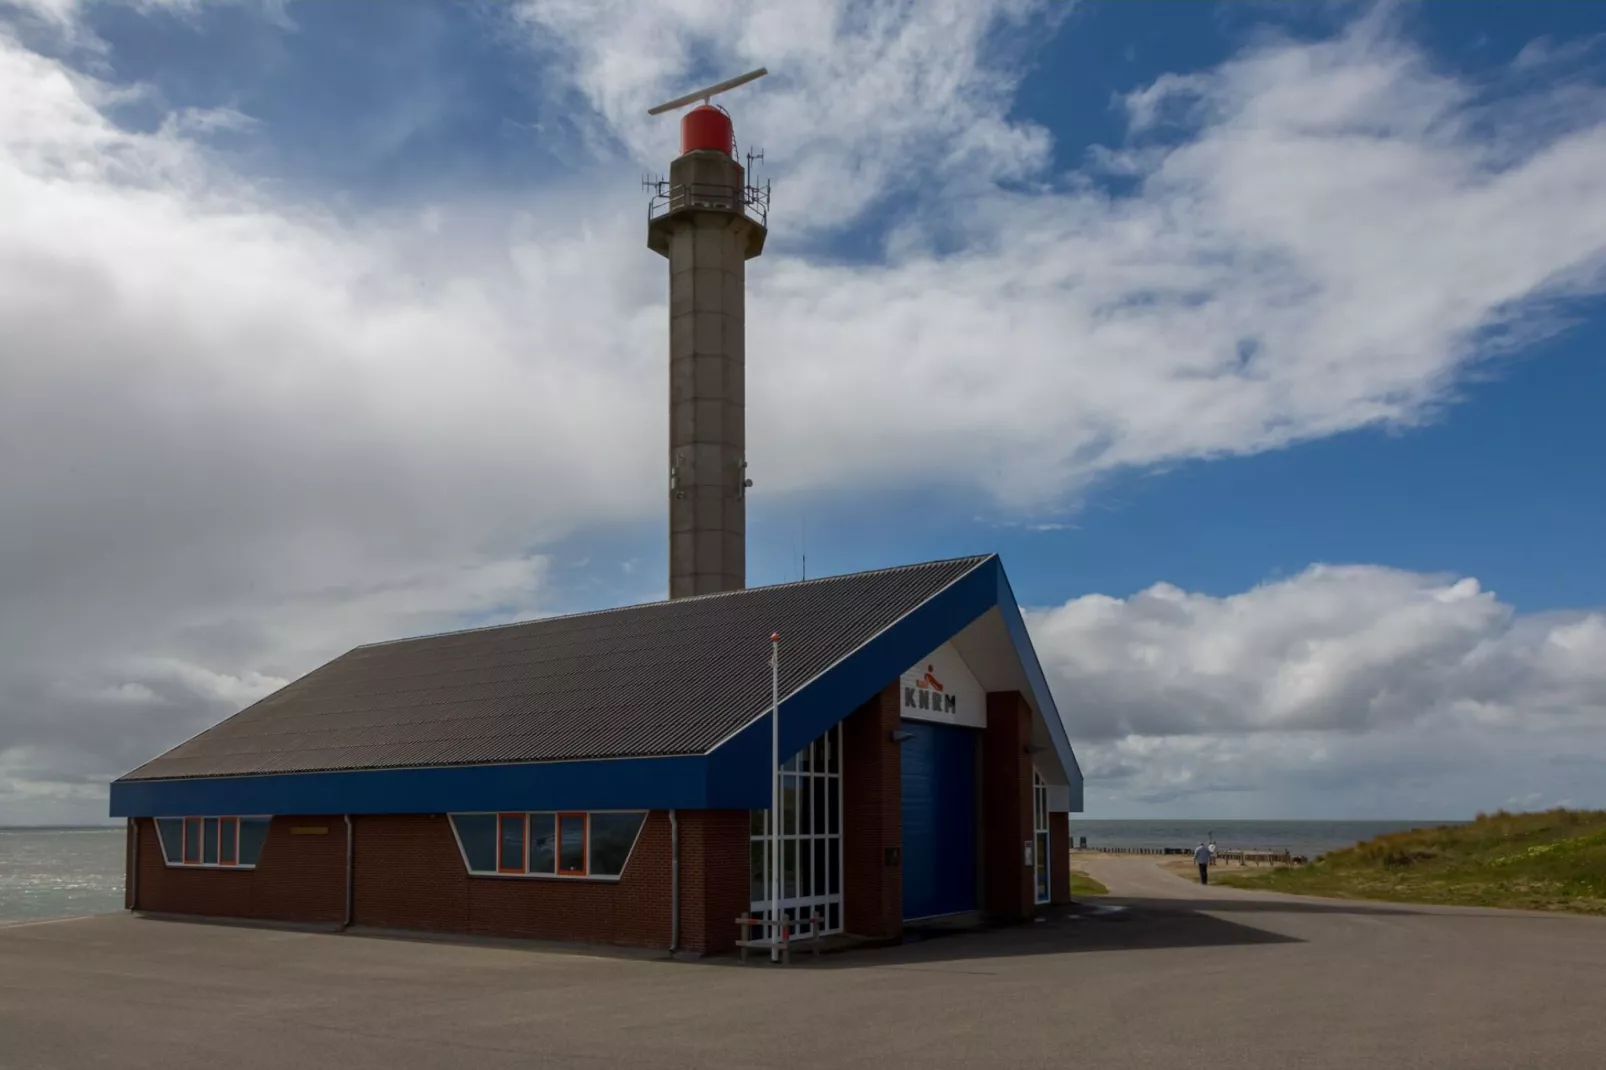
(784, 939)
(752, 201)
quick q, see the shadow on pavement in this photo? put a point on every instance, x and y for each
(1130, 926)
(1256, 906)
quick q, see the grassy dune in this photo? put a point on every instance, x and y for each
(1555, 860)
(1082, 884)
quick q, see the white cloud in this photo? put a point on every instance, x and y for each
(1336, 681)
(63, 22)
(864, 101)
(245, 437)
(254, 432)
(54, 12)
(1546, 54)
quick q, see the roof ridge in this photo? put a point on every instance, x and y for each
(976, 560)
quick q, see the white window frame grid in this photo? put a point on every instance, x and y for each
(557, 825)
(184, 831)
(1042, 890)
(820, 767)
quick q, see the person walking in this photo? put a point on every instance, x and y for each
(1201, 858)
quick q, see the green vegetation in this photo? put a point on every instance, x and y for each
(1555, 860)
(1082, 884)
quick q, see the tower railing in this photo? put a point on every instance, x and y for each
(753, 201)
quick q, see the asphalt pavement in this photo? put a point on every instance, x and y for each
(1182, 977)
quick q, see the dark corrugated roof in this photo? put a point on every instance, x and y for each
(664, 678)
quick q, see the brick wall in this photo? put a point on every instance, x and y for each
(299, 878)
(408, 874)
(1007, 808)
(872, 818)
(714, 865)
(1059, 846)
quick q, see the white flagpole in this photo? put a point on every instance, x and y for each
(775, 796)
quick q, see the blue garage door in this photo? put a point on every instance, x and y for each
(939, 820)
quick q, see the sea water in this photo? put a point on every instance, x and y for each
(60, 873)
(55, 873)
(1308, 838)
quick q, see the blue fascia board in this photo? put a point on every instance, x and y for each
(739, 776)
(1038, 682)
(618, 784)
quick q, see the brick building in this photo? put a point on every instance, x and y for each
(606, 777)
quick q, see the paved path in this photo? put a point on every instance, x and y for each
(1144, 879)
(1188, 977)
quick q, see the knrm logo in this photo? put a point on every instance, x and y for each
(927, 693)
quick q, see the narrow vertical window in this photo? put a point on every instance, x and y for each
(228, 847)
(192, 841)
(1040, 838)
(572, 844)
(209, 834)
(757, 892)
(805, 870)
(510, 844)
(543, 843)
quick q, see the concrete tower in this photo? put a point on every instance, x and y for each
(708, 222)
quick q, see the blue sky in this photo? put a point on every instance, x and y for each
(1263, 341)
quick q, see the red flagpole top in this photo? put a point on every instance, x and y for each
(775, 637)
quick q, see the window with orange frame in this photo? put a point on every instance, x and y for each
(579, 844)
(223, 842)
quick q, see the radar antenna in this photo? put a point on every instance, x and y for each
(705, 94)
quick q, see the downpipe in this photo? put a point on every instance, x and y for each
(351, 888)
(133, 863)
(674, 883)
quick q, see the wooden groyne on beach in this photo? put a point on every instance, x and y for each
(1242, 856)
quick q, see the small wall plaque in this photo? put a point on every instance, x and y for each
(309, 830)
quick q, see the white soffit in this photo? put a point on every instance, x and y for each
(986, 648)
